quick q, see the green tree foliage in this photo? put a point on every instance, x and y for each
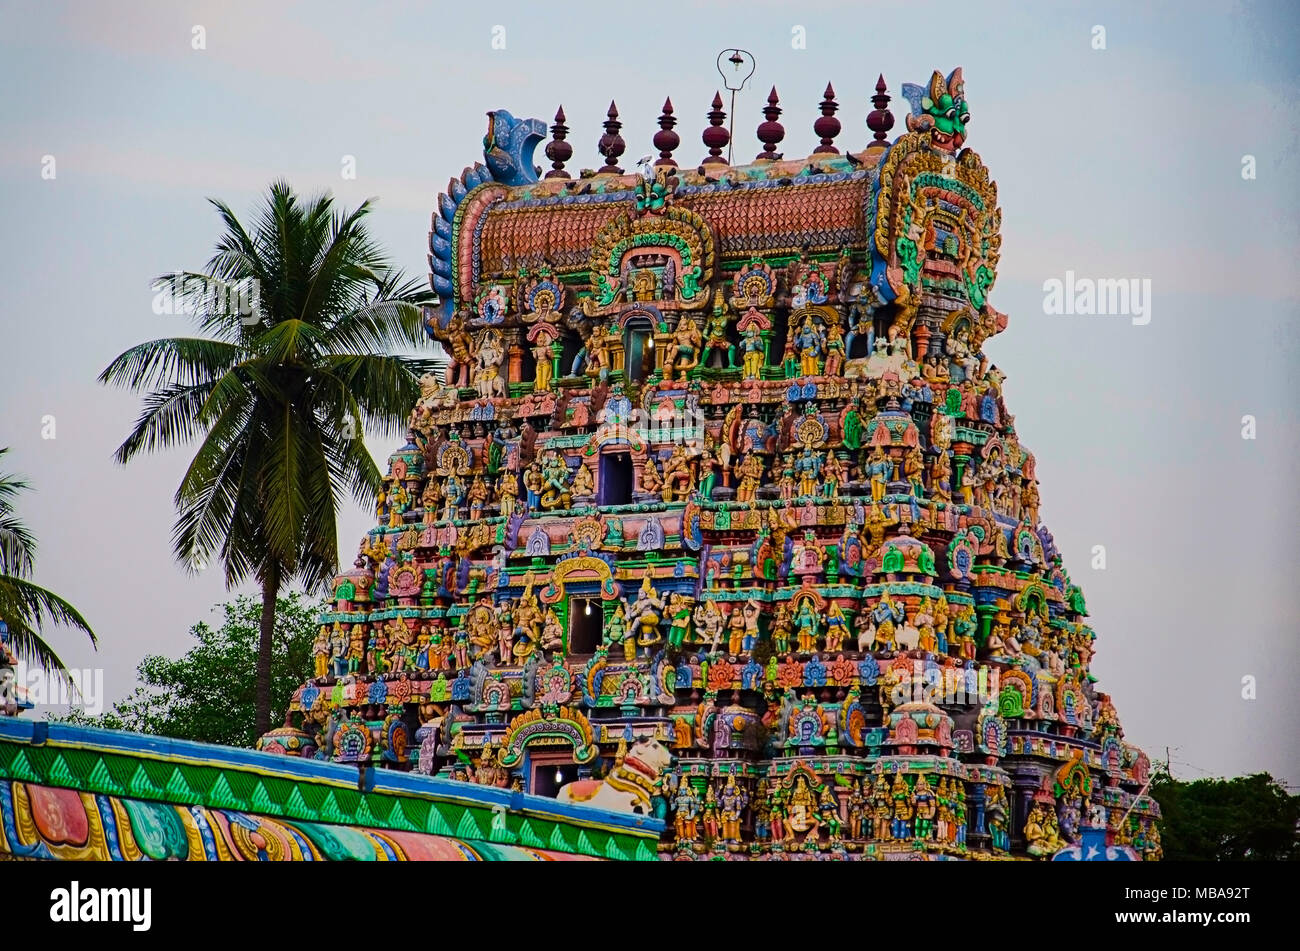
(299, 315)
(26, 608)
(1248, 818)
(210, 695)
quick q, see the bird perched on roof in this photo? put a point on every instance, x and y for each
(645, 165)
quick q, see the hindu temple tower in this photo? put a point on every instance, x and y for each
(719, 512)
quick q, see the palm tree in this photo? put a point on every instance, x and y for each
(26, 607)
(299, 315)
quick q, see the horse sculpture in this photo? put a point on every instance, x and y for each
(629, 785)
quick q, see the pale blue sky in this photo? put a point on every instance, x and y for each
(1123, 162)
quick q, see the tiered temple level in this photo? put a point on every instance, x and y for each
(720, 470)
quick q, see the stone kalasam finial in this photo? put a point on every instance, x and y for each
(558, 150)
(611, 144)
(880, 120)
(770, 132)
(716, 135)
(665, 140)
(827, 127)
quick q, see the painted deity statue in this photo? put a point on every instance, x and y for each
(837, 628)
(554, 489)
(708, 623)
(809, 342)
(679, 610)
(753, 352)
(687, 807)
(782, 628)
(731, 802)
(715, 337)
(617, 633)
(808, 468)
(750, 470)
(834, 351)
(807, 625)
(833, 476)
(879, 469)
(677, 479)
(688, 345)
(886, 615)
(645, 614)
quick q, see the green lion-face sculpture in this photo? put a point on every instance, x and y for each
(941, 107)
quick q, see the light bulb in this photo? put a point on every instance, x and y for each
(588, 609)
(559, 776)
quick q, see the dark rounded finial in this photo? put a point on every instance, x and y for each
(665, 140)
(770, 132)
(716, 136)
(827, 127)
(611, 144)
(881, 120)
(558, 150)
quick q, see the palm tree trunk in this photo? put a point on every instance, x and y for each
(270, 589)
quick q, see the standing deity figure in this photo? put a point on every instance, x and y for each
(762, 812)
(833, 476)
(710, 816)
(913, 468)
(707, 465)
(782, 628)
(940, 477)
(904, 808)
(542, 359)
(1029, 503)
(924, 623)
(398, 502)
(808, 469)
(828, 808)
(731, 804)
(688, 344)
(882, 808)
(886, 615)
(487, 366)
(617, 633)
(834, 351)
(926, 807)
(504, 621)
(858, 805)
(708, 623)
(753, 352)
(715, 337)
(750, 470)
(358, 641)
(736, 630)
(645, 613)
(880, 469)
(320, 652)
(810, 343)
(453, 493)
(807, 625)
(687, 806)
(597, 355)
(507, 494)
(478, 497)
(338, 650)
(679, 609)
(677, 479)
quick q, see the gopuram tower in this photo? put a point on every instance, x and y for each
(719, 513)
